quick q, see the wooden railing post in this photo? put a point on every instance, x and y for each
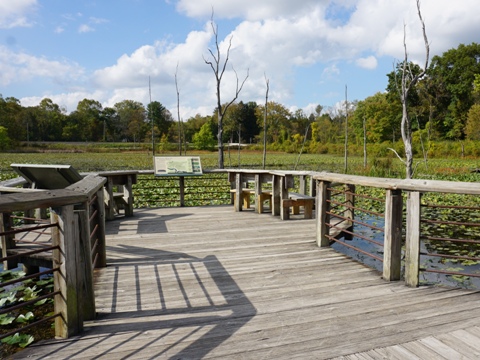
(302, 184)
(283, 192)
(392, 246)
(181, 182)
(66, 236)
(349, 211)
(101, 250)
(84, 264)
(322, 218)
(258, 193)
(238, 192)
(412, 243)
(6, 224)
(276, 198)
(128, 195)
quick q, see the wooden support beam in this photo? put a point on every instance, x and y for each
(322, 218)
(392, 247)
(84, 268)
(412, 243)
(66, 237)
(6, 224)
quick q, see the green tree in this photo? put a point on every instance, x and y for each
(382, 119)
(162, 118)
(204, 139)
(193, 125)
(278, 125)
(131, 122)
(11, 119)
(4, 139)
(86, 122)
(50, 121)
(453, 75)
(472, 128)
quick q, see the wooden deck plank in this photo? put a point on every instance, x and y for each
(211, 283)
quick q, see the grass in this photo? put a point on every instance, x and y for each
(444, 169)
(86, 161)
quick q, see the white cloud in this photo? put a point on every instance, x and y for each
(369, 62)
(248, 9)
(331, 71)
(14, 13)
(67, 101)
(19, 67)
(84, 28)
(272, 37)
(95, 20)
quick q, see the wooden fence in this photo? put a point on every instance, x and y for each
(77, 223)
(403, 219)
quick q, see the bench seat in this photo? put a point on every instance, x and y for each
(262, 197)
(296, 200)
(245, 196)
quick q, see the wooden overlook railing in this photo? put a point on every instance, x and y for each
(76, 245)
(405, 216)
(345, 205)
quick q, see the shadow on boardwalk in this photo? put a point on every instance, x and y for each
(210, 283)
(149, 314)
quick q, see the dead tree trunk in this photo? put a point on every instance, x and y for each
(408, 82)
(265, 124)
(218, 67)
(178, 115)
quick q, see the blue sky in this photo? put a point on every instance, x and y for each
(309, 50)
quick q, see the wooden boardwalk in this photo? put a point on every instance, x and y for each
(210, 283)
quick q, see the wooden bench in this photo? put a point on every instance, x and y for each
(118, 192)
(245, 196)
(265, 195)
(261, 198)
(296, 200)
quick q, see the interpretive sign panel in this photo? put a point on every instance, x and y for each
(177, 166)
(48, 176)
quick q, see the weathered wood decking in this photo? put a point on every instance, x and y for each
(193, 283)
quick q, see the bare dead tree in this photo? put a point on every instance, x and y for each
(408, 81)
(364, 142)
(265, 123)
(301, 149)
(180, 138)
(218, 66)
(346, 130)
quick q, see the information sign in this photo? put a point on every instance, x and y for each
(177, 166)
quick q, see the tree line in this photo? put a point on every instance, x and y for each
(443, 105)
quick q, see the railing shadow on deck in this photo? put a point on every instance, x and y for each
(224, 312)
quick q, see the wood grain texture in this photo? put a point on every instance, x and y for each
(212, 283)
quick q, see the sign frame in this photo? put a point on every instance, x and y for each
(175, 166)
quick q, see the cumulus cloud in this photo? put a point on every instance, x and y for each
(66, 101)
(248, 9)
(369, 62)
(275, 38)
(15, 13)
(19, 67)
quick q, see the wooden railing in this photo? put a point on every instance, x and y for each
(211, 188)
(77, 223)
(403, 218)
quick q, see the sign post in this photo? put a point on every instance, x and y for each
(178, 166)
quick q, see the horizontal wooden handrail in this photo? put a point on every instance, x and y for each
(402, 184)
